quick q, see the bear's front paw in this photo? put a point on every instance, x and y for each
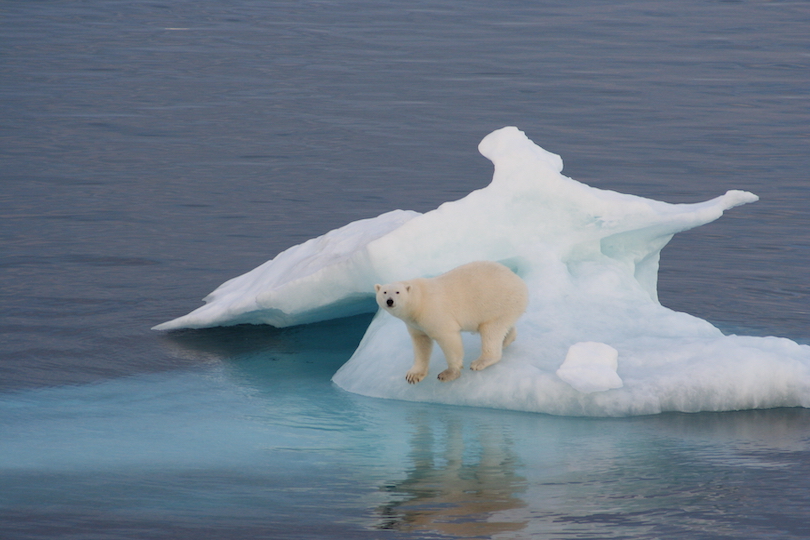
(449, 374)
(414, 377)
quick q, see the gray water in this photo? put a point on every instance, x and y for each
(150, 151)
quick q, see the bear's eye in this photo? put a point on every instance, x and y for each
(397, 292)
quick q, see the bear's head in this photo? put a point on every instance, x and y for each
(393, 297)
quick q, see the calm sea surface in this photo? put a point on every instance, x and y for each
(150, 151)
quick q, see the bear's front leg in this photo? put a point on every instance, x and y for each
(422, 347)
(453, 350)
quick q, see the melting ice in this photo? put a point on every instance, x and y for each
(590, 258)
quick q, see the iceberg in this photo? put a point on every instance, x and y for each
(595, 340)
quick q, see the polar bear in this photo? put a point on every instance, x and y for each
(484, 297)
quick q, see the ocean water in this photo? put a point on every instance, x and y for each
(150, 151)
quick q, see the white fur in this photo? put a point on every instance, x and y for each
(483, 297)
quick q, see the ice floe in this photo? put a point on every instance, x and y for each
(590, 258)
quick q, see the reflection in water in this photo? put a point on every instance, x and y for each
(462, 482)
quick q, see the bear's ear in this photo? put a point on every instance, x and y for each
(407, 288)
(377, 287)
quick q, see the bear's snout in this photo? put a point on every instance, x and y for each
(390, 302)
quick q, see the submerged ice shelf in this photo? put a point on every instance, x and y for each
(590, 258)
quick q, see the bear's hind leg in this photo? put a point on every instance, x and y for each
(510, 337)
(493, 338)
(422, 347)
(453, 349)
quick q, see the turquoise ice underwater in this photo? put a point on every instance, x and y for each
(250, 444)
(590, 258)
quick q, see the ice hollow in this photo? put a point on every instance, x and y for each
(590, 258)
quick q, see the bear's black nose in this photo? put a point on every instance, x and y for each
(389, 302)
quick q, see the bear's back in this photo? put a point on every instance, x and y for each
(481, 290)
